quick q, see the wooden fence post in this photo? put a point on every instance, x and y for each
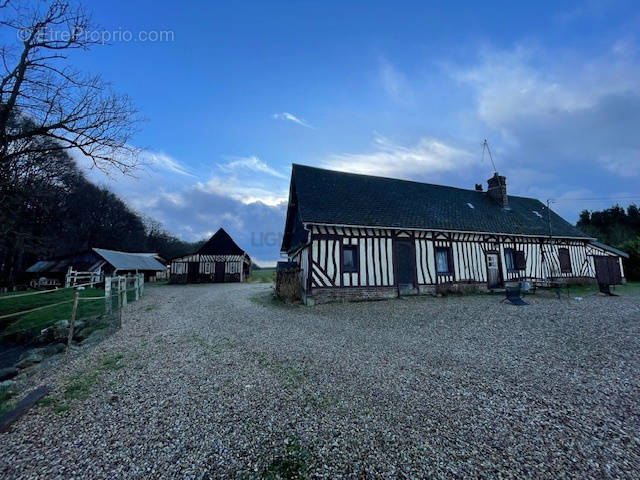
(67, 278)
(107, 295)
(124, 292)
(72, 322)
(136, 287)
(141, 284)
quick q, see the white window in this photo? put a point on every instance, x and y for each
(508, 259)
(350, 258)
(443, 260)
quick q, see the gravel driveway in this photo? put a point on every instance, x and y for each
(209, 381)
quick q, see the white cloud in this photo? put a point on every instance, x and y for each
(389, 159)
(506, 87)
(624, 162)
(394, 82)
(292, 118)
(244, 191)
(522, 82)
(252, 163)
(245, 196)
(164, 162)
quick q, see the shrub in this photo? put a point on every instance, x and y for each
(632, 264)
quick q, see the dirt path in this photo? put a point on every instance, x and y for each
(208, 381)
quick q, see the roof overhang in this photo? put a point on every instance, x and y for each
(608, 248)
(421, 229)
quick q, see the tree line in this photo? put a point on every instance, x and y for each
(618, 228)
(49, 110)
(48, 208)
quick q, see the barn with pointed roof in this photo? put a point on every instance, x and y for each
(219, 260)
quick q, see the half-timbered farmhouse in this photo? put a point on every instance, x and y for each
(357, 236)
(219, 260)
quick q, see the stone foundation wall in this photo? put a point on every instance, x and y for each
(348, 294)
(460, 288)
(354, 294)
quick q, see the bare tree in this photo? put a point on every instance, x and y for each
(42, 96)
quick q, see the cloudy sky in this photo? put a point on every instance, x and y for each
(402, 89)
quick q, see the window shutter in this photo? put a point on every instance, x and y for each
(519, 260)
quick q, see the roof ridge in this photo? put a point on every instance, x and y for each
(340, 172)
(122, 251)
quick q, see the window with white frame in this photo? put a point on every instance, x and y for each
(443, 260)
(514, 260)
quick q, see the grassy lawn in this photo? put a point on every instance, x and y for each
(583, 290)
(264, 275)
(6, 398)
(36, 321)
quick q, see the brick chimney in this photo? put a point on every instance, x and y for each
(478, 187)
(497, 189)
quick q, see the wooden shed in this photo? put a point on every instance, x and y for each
(99, 262)
(217, 261)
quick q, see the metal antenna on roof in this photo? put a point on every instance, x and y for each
(549, 202)
(485, 145)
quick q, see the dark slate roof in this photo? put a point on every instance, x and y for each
(330, 197)
(220, 244)
(83, 261)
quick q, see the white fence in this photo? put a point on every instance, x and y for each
(120, 286)
(75, 278)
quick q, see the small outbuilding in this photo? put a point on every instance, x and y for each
(217, 261)
(96, 264)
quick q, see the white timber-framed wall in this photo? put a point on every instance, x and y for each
(202, 268)
(320, 259)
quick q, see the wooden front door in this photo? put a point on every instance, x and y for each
(218, 276)
(405, 263)
(494, 279)
(192, 271)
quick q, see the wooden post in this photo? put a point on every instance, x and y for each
(107, 295)
(72, 322)
(124, 292)
(119, 294)
(136, 286)
(141, 284)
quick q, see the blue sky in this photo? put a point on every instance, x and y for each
(401, 89)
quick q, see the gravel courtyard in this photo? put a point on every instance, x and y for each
(209, 381)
